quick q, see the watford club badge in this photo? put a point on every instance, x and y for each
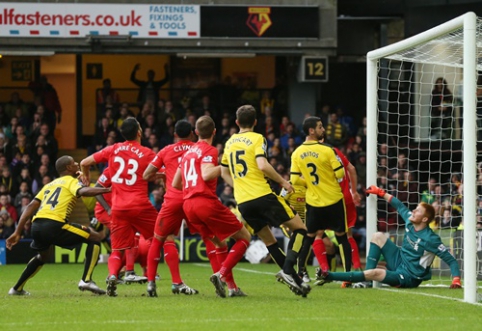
(259, 20)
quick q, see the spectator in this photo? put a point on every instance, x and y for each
(157, 197)
(290, 133)
(266, 102)
(348, 122)
(441, 110)
(50, 100)
(149, 90)
(124, 112)
(428, 195)
(10, 183)
(37, 181)
(24, 191)
(15, 103)
(52, 146)
(7, 226)
(5, 205)
(336, 133)
(23, 204)
(324, 114)
(107, 93)
(4, 119)
(226, 195)
(361, 168)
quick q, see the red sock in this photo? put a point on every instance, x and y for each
(142, 252)
(171, 256)
(320, 253)
(236, 253)
(211, 254)
(221, 254)
(355, 255)
(153, 258)
(114, 264)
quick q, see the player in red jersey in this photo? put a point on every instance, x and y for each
(131, 209)
(213, 220)
(170, 217)
(352, 199)
(102, 213)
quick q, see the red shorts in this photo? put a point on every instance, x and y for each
(170, 217)
(104, 218)
(350, 211)
(211, 218)
(125, 224)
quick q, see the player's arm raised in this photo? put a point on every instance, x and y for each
(85, 168)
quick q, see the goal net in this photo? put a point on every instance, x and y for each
(422, 139)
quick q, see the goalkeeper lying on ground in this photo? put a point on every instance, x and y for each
(409, 265)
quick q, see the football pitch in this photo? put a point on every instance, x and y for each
(56, 304)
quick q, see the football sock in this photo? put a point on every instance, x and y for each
(345, 251)
(352, 276)
(235, 254)
(294, 248)
(305, 253)
(331, 262)
(277, 254)
(221, 255)
(171, 256)
(142, 253)
(33, 266)
(211, 253)
(320, 252)
(373, 256)
(114, 263)
(91, 257)
(355, 254)
(153, 258)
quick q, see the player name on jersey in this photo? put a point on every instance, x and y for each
(244, 140)
(133, 149)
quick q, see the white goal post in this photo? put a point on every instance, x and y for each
(450, 49)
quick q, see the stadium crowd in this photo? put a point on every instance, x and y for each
(28, 147)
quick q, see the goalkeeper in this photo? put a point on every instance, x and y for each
(409, 265)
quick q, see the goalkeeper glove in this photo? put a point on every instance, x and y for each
(456, 283)
(376, 190)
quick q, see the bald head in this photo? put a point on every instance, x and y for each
(62, 163)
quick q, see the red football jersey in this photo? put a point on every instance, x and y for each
(127, 162)
(169, 158)
(345, 183)
(193, 183)
(104, 181)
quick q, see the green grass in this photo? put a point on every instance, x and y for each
(57, 304)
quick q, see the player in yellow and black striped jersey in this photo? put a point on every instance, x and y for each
(52, 207)
(245, 160)
(322, 170)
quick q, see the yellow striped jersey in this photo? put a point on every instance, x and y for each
(321, 168)
(58, 198)
(240, 153)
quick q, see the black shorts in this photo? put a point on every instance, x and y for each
(266, 210)
(47, 232)
(330, 217)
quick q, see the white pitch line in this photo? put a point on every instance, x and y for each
(383, 289)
